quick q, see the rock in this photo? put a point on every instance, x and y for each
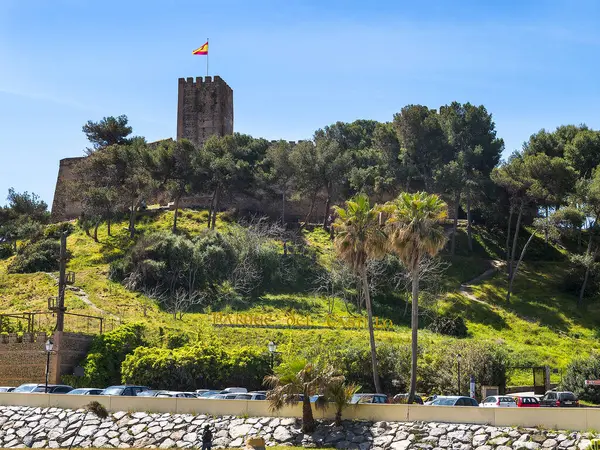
(239, 431)
(499, 441)
(383, 441)
(100, 441)
(437, 432)
(485, 447)
(39, 444)
(564, 444)
(87, 430)
(400, 445)
(22, 432)
(282, 434)
(190, 437)
(526, 444)
(144, 442)
(137, 429)
(539, 438)
(584, 444)
(167, 443)
(126, 437)
(28, 441)
(561, 437)
(479, 440)
(550, 443)
(177, 435)
(523, 438)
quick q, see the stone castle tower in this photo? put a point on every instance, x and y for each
(204, 109)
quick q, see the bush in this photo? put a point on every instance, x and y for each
(6, 251)
(448, 325)
(176, 340)
(40, 256)
(102, 365)
(577, 372)
(196, 366)
(55, 230)
(573, 279)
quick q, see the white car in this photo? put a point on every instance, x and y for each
(499, 401)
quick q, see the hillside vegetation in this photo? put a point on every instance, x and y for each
(541, 326)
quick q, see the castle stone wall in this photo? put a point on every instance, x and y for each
(23, 358)
(204, 109)
(64, 206)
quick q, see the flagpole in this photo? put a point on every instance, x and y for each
(207, 57)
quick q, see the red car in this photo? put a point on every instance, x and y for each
(527, 402)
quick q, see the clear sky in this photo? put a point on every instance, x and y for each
(294, 66)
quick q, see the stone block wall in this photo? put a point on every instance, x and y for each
(204, 109)
(23, 358)
(64, 206)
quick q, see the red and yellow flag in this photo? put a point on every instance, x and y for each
(201, 50)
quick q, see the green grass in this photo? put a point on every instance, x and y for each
(541, 325)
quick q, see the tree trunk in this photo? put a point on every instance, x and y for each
(216, 208)
(365, 283)
(515, 240)
(210, 209)
(514, 274)
(132, 220)
(283, 207)
(175, 215)
(469, 230)
(587, 272)
(338, 418)
(415, 329)
(312, 206)
(327, 204)
(108, 223)
(547, 224)
(455, 224)
(510, 215)
(308, 422)
(96, 231)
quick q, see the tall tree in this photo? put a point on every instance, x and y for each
(171, 163)
(359, 237)
(108, 131)
(306, 163)
(471, 132)
(414, 232)
(422, 141)
(450, 180)
(280, 171)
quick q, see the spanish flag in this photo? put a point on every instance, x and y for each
(201, 50)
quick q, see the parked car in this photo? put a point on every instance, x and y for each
(6, 389)
(209, 394)
(224, 396)
(559, 399)
(85, 391)
(124, 390)
(234, 390)
(174, 394)
(454, 400)
(53, 389)
(403, 398)
(251, 396)
(499, 401)
(527, 402)
(148, 393)
(369, 398)
(199, 392)
(27, 387)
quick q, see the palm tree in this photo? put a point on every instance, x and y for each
(340, 394)
(359, 237)
(414, 232)
(297, 380)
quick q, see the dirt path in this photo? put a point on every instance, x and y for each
(83, 296)
(465, 288)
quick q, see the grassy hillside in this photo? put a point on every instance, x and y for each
(541, 325)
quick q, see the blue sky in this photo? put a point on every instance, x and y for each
(294, 66)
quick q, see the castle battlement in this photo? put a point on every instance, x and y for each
(25, 338)
(198, 81)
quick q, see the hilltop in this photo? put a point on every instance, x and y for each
(541, 326)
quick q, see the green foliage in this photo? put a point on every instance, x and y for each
(6, 251)
(40, 256)
(579, 370)
(108, 131)
(102, 365)
(55, 230)
(176, 340)
(207, 365)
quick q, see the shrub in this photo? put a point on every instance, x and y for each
(55, 230)
(573, 278)
(102, 365)
(176, 340)
(448, 325)
(196, 366)
(579, 370)
(40, 256)
(6, 251)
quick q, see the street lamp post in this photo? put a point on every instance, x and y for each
(458, 361)
(272, 350)
(49, 346)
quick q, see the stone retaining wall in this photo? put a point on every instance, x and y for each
(54, 427)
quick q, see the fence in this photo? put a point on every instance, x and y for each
(580, 419)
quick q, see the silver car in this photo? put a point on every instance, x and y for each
(499, 401)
